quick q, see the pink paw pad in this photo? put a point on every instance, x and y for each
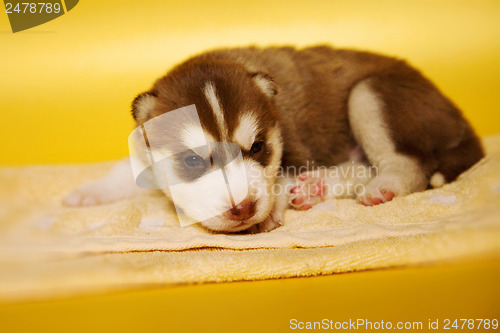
(377, 198)
(309, 191)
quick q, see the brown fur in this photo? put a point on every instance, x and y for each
(313, 86)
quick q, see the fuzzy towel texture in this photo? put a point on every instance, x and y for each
(47, 249)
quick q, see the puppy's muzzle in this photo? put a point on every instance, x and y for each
(242, 211)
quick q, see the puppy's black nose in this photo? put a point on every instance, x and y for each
(242, 211)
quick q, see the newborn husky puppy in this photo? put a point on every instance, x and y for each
(294, 108)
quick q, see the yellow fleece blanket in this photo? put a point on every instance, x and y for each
(47, 249)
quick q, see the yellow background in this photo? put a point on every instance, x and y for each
(65, 93)
(66, 86)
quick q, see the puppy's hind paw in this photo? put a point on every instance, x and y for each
(376, 197)
(89, 195)
(80, 198)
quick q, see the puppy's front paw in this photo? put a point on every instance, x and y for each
(309, 191)
(378, 192)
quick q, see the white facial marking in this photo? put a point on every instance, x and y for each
(194, 136)
(258, 189)
(236, 175)
(245, 132)
(211, 95)
(208, 195)
(275, 140)
(203, 198)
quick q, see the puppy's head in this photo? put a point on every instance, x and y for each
(234, 106)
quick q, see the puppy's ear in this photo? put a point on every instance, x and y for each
(265, 83)
(142, 106)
